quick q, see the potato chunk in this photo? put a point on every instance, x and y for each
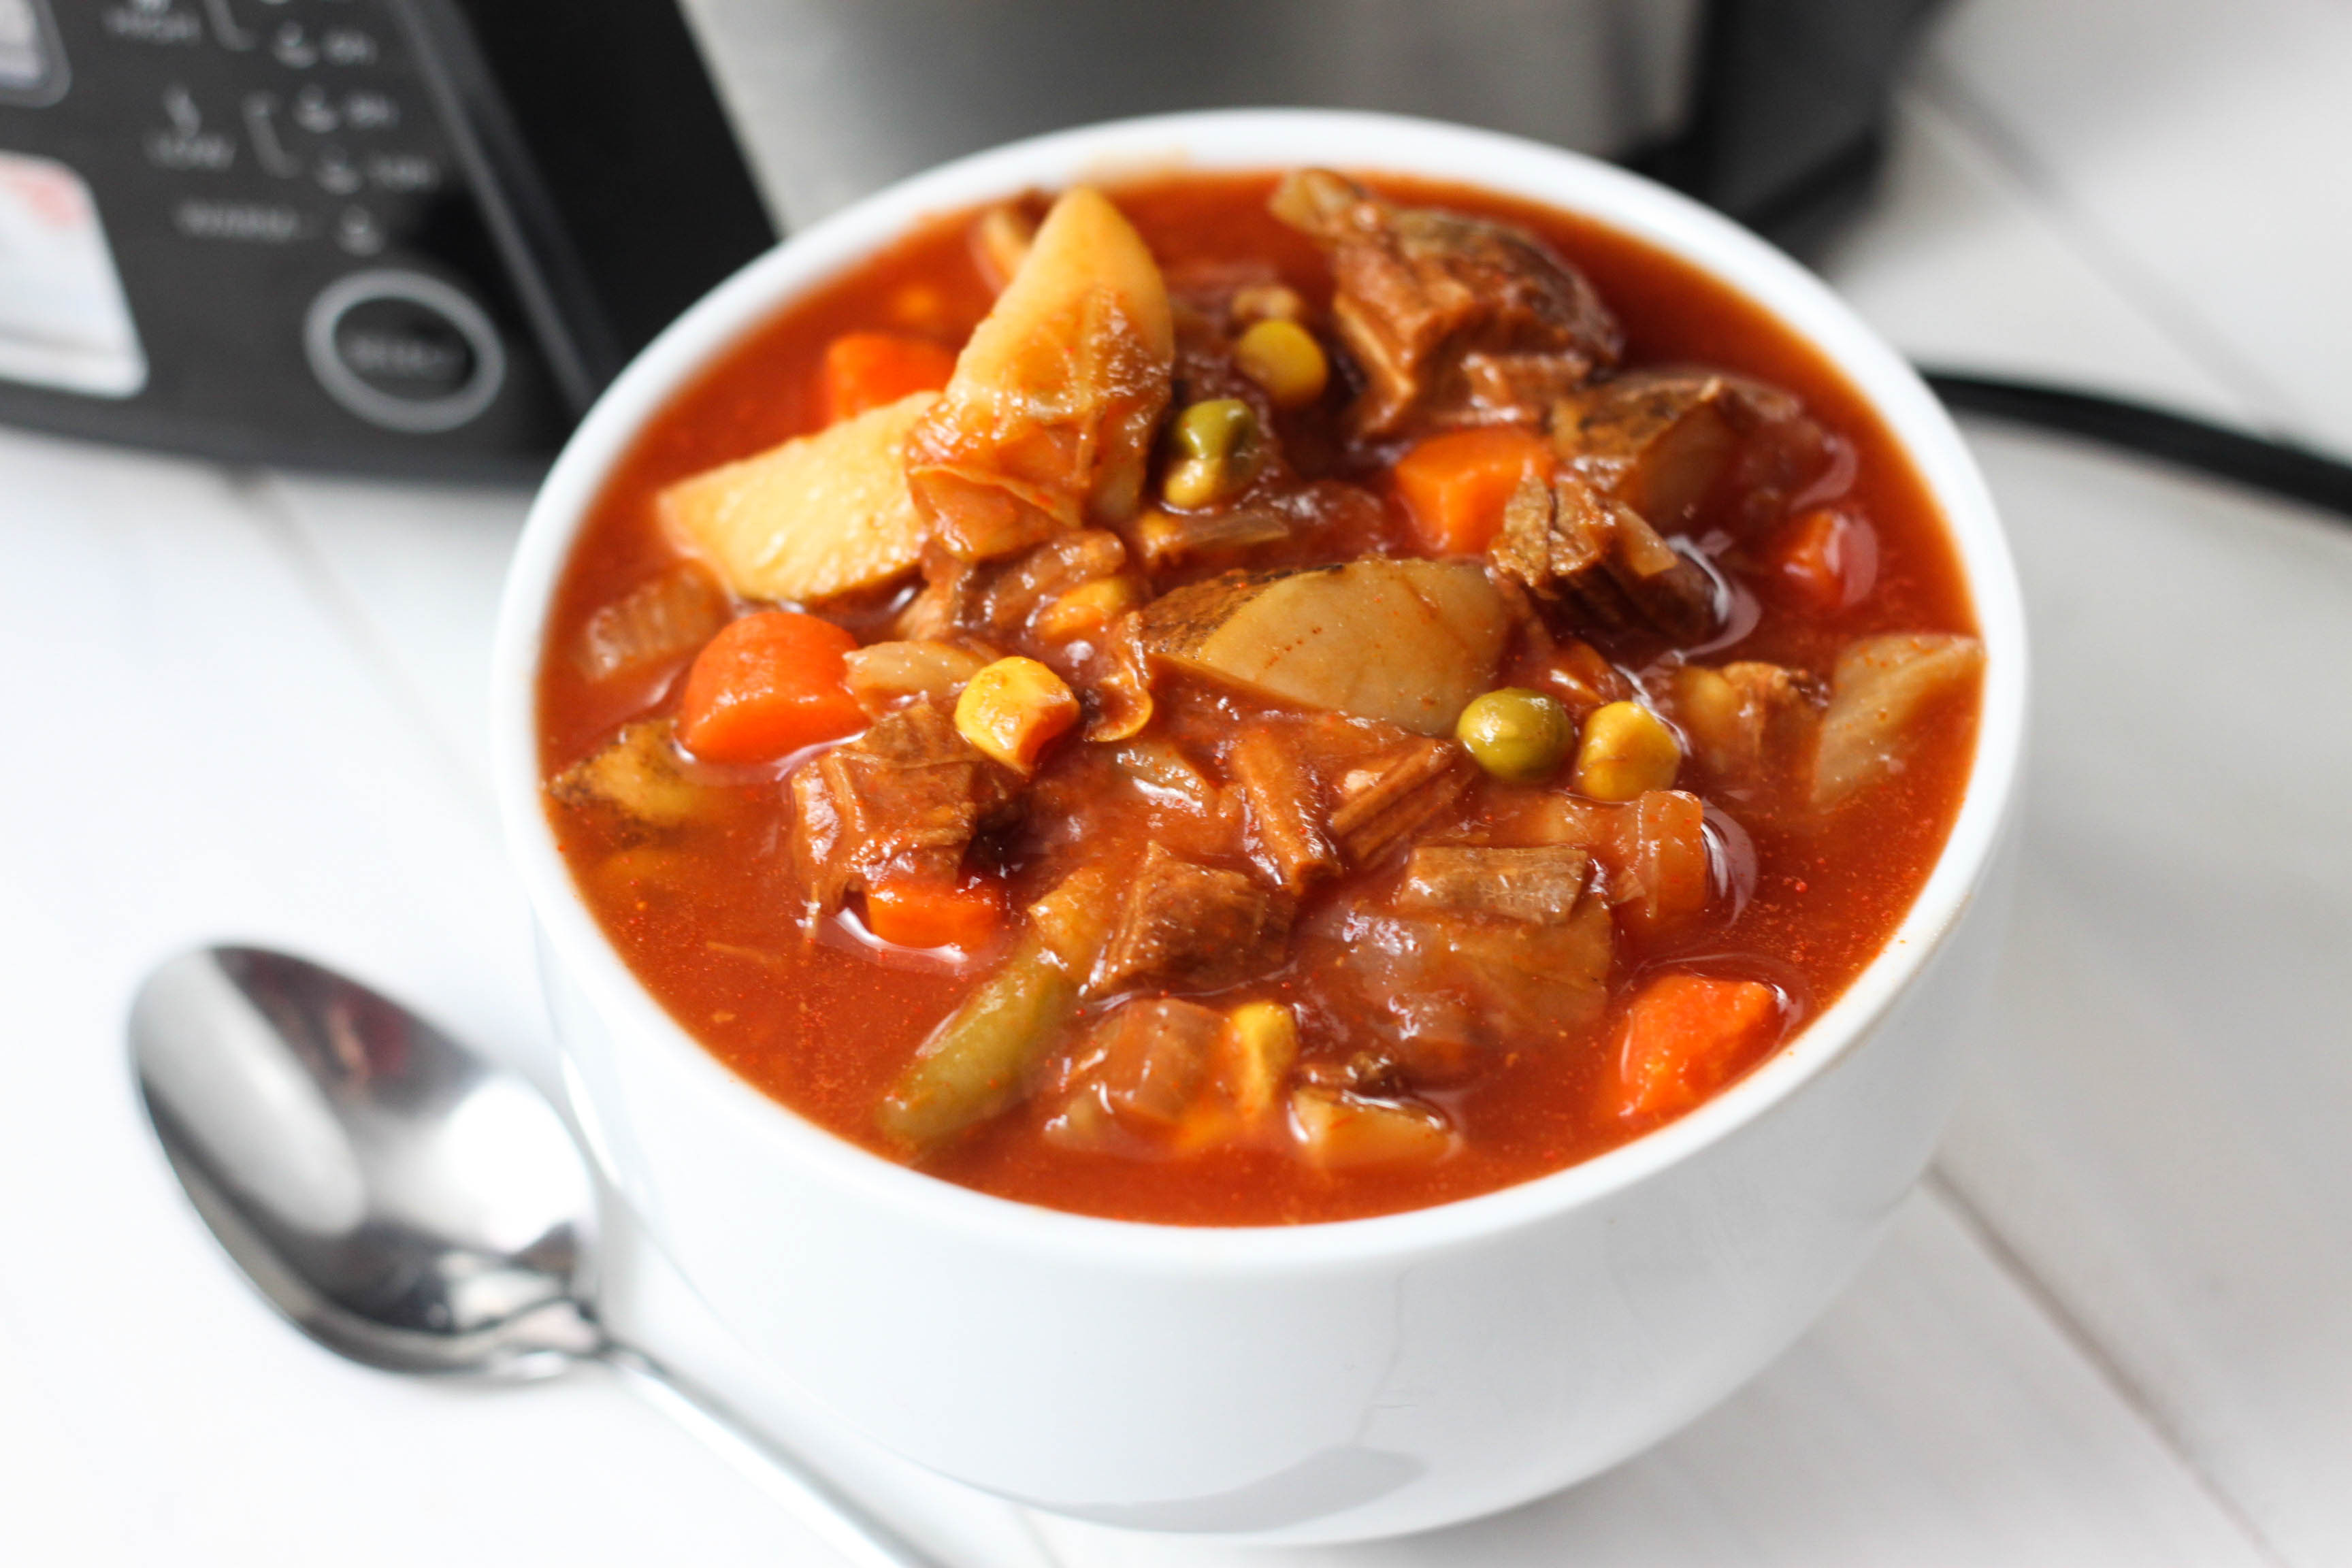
(1339, 1131)
(1410, 642)
(1049, 422)
(817, 516)
(1882, 690)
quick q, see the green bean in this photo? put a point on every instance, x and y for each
(978, 1059)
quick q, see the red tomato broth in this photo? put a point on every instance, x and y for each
(825, 1030)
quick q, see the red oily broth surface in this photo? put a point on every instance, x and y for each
(824, 1029)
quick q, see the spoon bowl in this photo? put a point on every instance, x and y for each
(402, 1199)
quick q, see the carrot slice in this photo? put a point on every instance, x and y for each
(1827, 559)
(873, 370)
(767, 685)
(1684, 1036)
(916, 911)
(1455, 485)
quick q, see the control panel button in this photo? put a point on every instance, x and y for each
(153, 22)
(403, 350)
(31, 69)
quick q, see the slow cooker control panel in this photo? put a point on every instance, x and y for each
(302, 230)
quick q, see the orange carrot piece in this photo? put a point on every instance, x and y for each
(1684, 1035)
(1455, 485)
(768, 685)
(1827, 559)
(871, 370)
(916, 911)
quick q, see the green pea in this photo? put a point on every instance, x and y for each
(1220, 430)
(1518, 734)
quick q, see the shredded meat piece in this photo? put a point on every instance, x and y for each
(1540, 886)
(1384, 801)
(1193, 927)
(1658, 439)
(911, 789)
(1569, 545)
(1454, 320)
(1287, 833)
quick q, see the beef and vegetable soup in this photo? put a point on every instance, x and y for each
(1244, 699)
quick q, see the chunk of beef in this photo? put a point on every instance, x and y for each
(1134, 1073)
(1446, 984)
(1480, 947)
(638, 775)
(1286, 833)
(1746, 720)
(1454, 319)
(1658, 439)
(1540, 886)
(1193, 928)
(1381, 802)
(910, 791)
(1570, 546)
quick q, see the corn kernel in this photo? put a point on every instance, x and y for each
(1284, 358)
(1194, 482)
(1012, 709)
(1710, 709)
(1626, 751)
(1159, 537)
(1089, 607)
(1262, 1041)
(1267, 301)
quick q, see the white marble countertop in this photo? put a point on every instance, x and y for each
(2114, 1326)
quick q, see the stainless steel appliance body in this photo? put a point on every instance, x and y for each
(837, 97)
(420, 235)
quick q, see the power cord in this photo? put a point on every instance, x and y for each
(2280, 467)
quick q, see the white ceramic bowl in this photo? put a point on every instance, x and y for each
(1320, 1382)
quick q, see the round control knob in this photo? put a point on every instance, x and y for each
(403, 350)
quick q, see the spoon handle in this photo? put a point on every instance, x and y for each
(843, 1523)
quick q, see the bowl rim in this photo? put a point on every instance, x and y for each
(1237, 139)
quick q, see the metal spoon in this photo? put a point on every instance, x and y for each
(402, 1200)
